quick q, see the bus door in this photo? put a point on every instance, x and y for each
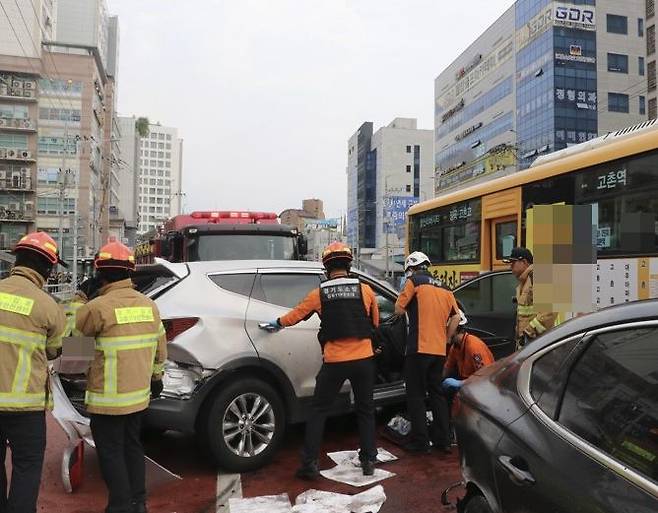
(501, 217)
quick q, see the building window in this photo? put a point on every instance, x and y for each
(617, 24)
(643, 106)
(408, 188)
(651, 8)
(651, 40)
(640, 27)
(617, 63)
(408, 149)
(408, 168)
(651, 76)
(168, 137)
(640, 66)
(653, 108)
(617, 102)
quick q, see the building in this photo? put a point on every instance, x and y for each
(57, 60)
(312, 209)
(544, 76)
(650, 16)
(160, 192)
(129, 176)
(387, 172)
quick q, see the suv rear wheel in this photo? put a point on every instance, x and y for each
(245, 425)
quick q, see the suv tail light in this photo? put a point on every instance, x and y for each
(174, 327)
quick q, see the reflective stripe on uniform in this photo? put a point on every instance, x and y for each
(26, 343)
(537, 326)
(110, 346)
(117, 400)
(525, 310)
(158, 368)
(23, 400)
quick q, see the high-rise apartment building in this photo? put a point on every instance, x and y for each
(60, 52)
(129, 175)
(544, 76)
(387, 172)
(650, 17)
(160, 192)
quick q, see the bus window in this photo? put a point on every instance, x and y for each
(505, 239)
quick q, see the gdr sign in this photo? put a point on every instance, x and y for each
(569, 15)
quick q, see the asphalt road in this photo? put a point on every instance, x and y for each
(416, 487)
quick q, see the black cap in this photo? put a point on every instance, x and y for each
(519, 254)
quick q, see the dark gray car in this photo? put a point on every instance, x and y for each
(569, 423)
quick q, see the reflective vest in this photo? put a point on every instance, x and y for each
(343, 312)
(31, 328)
(130, 349)
(529, 322)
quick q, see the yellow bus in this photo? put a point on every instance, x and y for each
(470, 231)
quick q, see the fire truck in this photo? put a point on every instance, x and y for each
(223, 235)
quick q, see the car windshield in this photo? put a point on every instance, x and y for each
(243, 247)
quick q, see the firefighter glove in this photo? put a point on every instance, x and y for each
(452, 383)
(156, 388)
(271, 326)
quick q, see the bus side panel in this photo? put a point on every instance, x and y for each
(453, 275)
(494, 206)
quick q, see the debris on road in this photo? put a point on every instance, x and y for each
(318, 501)
(264, 504)
(340, 457)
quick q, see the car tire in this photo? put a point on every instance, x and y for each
(477, 504)
(245, 425)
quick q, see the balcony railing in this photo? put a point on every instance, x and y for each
(16, 183)
(16, 215)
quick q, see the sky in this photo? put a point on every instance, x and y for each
(266, 93)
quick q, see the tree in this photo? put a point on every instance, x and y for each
(142, 126)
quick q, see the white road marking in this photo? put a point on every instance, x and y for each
(228, 486)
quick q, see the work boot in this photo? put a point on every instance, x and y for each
(308, 471)
(368, 467)
(139, 507)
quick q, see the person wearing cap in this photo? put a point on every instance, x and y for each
(467, 354)
(432, 316)
(31, 328)
(127, 369)
(529, 323)
(349, 313)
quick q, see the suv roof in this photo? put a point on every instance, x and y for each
(234, 265)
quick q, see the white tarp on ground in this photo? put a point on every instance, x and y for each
(317, 501)
(340, 457)
(263, 504)
(351, 475)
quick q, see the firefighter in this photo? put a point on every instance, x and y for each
(127, 368)
(468, 353)
(31, 328)
(349, 313)
(529, 323)
(432, 316)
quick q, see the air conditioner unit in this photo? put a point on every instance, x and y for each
(16, 92)
(29, 84)
(11, 153)
(26, 154)
(26, 123)
(3, 153)
(28, 93)
(17, 84)
(3, 122)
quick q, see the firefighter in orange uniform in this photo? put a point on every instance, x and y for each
(127, 369)
(31, 328)
(349, 313)
(467, 355)
(432, 316)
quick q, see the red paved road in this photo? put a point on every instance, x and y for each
(416, 488)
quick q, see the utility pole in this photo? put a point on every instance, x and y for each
(74, 224)
(63, 175)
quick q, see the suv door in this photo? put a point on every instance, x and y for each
(295, 350)
(490, 310)
(594, 448)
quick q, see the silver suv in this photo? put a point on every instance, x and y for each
(236, 386)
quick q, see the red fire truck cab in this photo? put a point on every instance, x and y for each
(224, 235)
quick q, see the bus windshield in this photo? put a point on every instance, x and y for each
(243, 247)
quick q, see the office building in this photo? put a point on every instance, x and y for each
(312, 209)
(650, 36)
(387, 172)
(544, 76)
(160, 192)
